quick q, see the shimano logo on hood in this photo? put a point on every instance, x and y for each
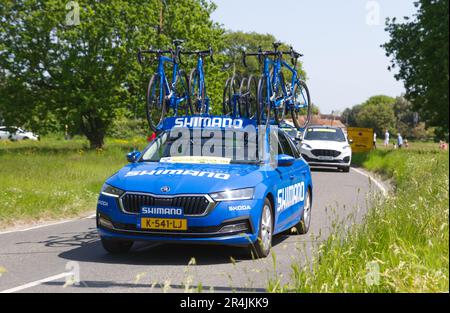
(221, 176)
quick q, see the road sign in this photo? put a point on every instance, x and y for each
(362, 139)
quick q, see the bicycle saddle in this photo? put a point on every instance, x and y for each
(277, 44)
(178, 42)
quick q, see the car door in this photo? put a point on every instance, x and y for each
(291, 193)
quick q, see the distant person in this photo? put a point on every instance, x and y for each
(406, 143)
(387, 136)
(66, 132)
(400, 141)
(374, 140)
(443, 146)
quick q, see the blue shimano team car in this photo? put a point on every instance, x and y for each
(208, 180)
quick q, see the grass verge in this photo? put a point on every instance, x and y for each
(403, 244)
(54, 178)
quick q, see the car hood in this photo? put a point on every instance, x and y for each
(325, 145)
(185, 178)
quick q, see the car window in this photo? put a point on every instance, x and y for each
(285, 145)
(325, 134)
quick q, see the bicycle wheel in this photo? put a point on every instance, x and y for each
(156, 103)
(279, 112)
(198, 92)
(243, 112)
(234, 96)
(226, 108)
(301, 111)
(251, 97)
(264, 106)
(181, 91)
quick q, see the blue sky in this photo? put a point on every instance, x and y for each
(340, 39)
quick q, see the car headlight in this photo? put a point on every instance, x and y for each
(234, 195)
(306, 146)
(110, 191)
(346, 147)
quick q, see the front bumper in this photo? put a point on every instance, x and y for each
(219, 226)
(343, 160)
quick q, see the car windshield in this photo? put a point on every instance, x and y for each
(325, 134)
(204, 147)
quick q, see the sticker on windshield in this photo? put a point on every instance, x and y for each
(196, 160)
(323, 130)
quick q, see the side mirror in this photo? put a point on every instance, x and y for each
(132, 157)
(350, 141)
(285, 160)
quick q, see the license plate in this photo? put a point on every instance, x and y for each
(325, 158)
(163, 224)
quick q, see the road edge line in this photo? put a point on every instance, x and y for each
(47, 225)
(377, 183)
(37, 283)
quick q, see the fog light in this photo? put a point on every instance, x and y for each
(105, 223)
(242, 227)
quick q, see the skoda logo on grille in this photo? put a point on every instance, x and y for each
(165, 189)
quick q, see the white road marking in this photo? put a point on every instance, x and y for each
(374, 180)
(47, 225)
(37, 282)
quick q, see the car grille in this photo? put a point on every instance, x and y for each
(191, 205)
(326, 153)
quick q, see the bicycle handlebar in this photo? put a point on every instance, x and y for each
(292, 53)
(151, 51)
(204, 53)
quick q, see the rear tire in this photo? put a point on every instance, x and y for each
(226, 110)
(263, 103)
(279, 113)
(116, 246)
(243, 108)
(251, 103)
(261, 248)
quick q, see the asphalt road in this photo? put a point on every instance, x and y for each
(49, 259)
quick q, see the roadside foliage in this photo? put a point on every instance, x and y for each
(403, 244)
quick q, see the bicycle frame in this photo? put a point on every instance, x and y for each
(275, 82)
(200, 66)
(164, 82)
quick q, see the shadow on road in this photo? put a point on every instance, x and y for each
(86, 247)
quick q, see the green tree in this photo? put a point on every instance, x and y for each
(419, 49)
(377, 113)
(349, 116)
(83, 74)
(406, 119)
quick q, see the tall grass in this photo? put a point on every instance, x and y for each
(54, 178)
(403, 244)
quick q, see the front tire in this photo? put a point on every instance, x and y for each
(156, 109)
(263, 244)
(116, 246)
(305, 222)
(301, 111)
